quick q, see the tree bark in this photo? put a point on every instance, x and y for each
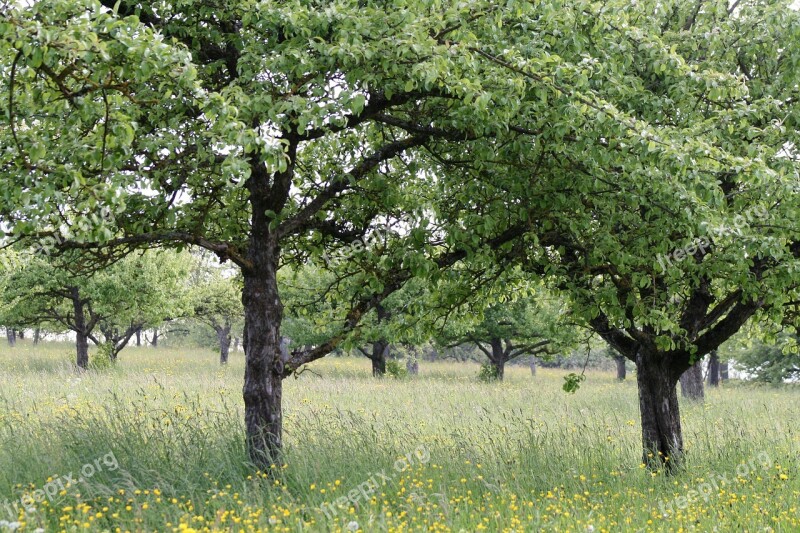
(224, 338)
(81, 330)
(380, 351)
(662, 439)
(532, 364)
(264, 366)
(154, 342)
(713, 369)
(622, 372)
(21, 334)
(723, 371)
(498, 358)
(139, 337)
(36, 336)
(692, 382)
(11, 336)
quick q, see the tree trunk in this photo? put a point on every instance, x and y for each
(11, 335)
(36, 336)
(81, 333)
(532, 364)
(263, 376)
(21, 334)
(723, 371)
(692, 382)
(139, 337)
(224, 338)
(622, 372)
(498, 358)
(380, 351)
(412, 366)
(236, 342)
(662, 440)
(713, 369)
(154, 342)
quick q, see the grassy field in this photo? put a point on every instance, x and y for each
(156, 444)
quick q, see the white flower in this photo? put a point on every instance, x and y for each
(13, 526)
(352, 526)
(273, 520)
(590, 528)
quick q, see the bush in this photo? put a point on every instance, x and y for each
(395, 369)
(488, 373)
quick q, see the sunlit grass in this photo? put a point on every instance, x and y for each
(516, 456)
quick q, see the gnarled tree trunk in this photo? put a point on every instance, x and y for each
(692, 382)
(662, 439)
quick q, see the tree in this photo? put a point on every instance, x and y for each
(668, 254)
(713, 369)
(284, 130)
(775, 361)
(530, 325)
(692, 383)
(137, 291)
(217, 302)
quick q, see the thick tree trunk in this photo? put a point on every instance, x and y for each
(622, 372)
(692, 382)
(154, 342)
(224, 338)
(723, 371)
(713, 369)
(11, 336)
(81, 333)
(139, 337)
(498, 358)
(264, 366)
(380, 351)
(662, 439)
(21, 334)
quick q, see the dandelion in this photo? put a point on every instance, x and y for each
(352, 526)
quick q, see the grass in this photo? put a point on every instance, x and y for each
(163, 435)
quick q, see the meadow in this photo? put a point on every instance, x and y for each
(157, 444)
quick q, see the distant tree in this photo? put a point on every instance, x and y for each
(505, 330)
(773, 362)
(218, 303)
(692, 383)
(138, 291)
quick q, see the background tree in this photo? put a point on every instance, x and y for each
(217, 303)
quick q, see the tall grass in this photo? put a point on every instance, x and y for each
(516, 456)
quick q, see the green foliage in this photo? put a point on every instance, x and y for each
(102, 359)
(488, 373)
(396, 369)
(572, 382)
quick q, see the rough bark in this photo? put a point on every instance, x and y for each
(662, 439)
(622, 372)
(713, 369)
(692, 383)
